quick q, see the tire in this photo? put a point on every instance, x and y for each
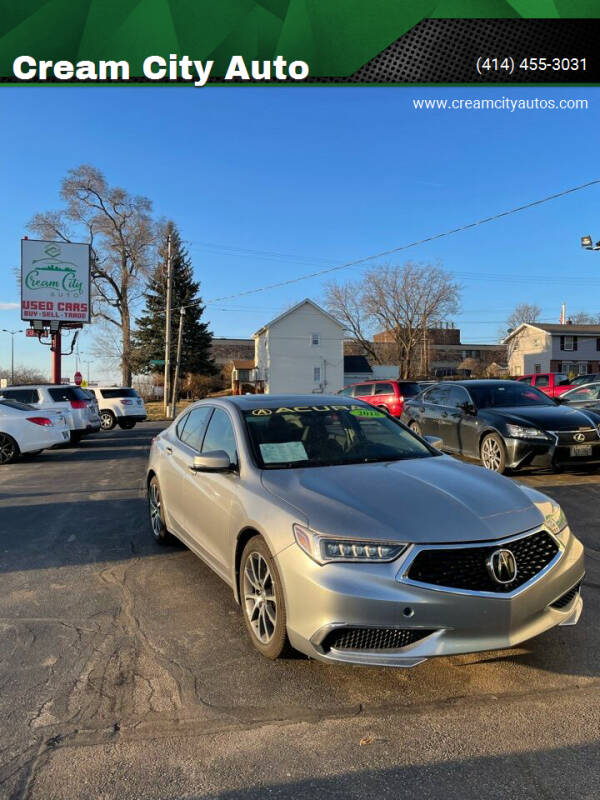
(492, 453)
(9, 449)
(126, 425)
(156, 514)
(415, 427)
(107, 420)
(265, 619)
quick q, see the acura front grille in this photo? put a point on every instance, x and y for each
(372, 638)
(466, 568)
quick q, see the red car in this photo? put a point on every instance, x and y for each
(389, 394)
(550, 383)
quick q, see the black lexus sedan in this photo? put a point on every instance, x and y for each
(505, 424)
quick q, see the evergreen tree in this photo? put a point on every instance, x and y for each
(149, 336)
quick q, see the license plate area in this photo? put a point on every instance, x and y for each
(65, 434)
(578, 450)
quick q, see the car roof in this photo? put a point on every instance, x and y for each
(43, 386)
(245, 402)
(480, 382)
(381, 380)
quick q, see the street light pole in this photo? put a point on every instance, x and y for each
(12, 352)
(588, 243)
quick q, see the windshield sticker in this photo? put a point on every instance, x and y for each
(266, 412)
(282, 452)
(367, 413)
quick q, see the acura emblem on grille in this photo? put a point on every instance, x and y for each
(579, 437)
(502, 566)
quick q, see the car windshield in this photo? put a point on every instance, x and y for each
(16, 404)
(326, 435)
(508, 394)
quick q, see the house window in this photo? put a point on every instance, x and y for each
(317, 374)
(569, 343)
(598, 343)
(315, 339)
(537, 368)
(583, 368)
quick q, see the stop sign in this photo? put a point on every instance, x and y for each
(77, 378)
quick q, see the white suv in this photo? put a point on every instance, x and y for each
(119, 405)
(71, 401)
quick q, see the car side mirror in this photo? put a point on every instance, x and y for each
(434, 441)
(468, 408)
(215, 461)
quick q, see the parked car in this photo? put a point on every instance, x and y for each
(92, 400)
(24, 430)
(505, 424)
(550, 383)
(68, 400)
(119, 405)
(387, 394)
(347, 537)
(582, 380)
(587, 396)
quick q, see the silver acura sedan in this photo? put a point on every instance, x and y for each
(348, 537)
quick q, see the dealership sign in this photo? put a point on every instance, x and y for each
(55, 281)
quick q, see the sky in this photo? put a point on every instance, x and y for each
(268, 184)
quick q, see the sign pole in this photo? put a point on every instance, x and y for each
(56, 357)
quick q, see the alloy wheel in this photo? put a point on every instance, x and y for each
(106, 421)
(259, 597)
(7, 449)
(491, 455)
(155, 518)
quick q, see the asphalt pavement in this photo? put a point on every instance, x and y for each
(126, 672)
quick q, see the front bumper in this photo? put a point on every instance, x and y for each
(546, 453)
(321, 599)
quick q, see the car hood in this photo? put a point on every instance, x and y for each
(434, 499)
(549, 418)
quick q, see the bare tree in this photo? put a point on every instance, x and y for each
(345, 302)
(583, 318)
(121, 233)
(404, 302)
(523, 312)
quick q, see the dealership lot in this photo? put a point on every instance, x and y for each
(125, 669)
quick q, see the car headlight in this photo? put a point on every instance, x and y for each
(521, 432)
(556, 522)
(325, 549)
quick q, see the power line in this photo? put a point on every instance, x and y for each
(393, 250)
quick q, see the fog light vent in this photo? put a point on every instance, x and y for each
(372, 638)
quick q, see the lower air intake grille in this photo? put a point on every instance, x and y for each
(372, 638)
(465, 567)
(566, 598)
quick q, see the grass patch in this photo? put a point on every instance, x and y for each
(155, 410)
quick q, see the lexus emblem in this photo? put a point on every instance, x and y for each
(579, 437)
(502, 566)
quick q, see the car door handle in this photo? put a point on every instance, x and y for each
(169, 450)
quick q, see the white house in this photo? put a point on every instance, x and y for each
(300, 351)
(545, 347)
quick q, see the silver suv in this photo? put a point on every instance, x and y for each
(70, 400)
(119, 405)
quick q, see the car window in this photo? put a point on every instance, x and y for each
(325, 435)
(363, 390)
(195, 426)
(438, 395)
(458, 397)
(22, 395)
(562, 380)
(64, 394)
(505, 394)
(17, 404)
(220, 435)
(584, 393)
(410, 389)
(124, 391)
(541, 380)
(348, 391)
(383, 388)
(525, 379)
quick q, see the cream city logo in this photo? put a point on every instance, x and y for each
(50, 273)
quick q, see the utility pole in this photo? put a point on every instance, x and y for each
(12, 352)
(168, 328)
(177, 362)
